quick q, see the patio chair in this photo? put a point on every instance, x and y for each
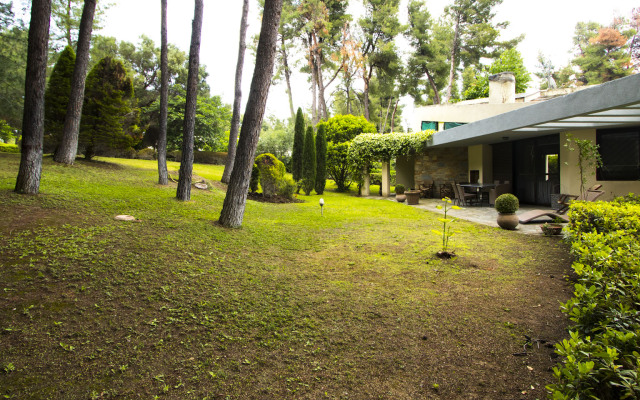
(500, 188)
(427, 189)
(446, 190)
(464, 197)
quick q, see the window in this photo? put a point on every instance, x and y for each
(429, 125)
(449, 125)
(620, 152)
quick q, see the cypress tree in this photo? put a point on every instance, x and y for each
(321, 160)
(106, 107)
(56, 98)
(309, 162)
(298, 147)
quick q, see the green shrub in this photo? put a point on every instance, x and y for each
(629, 198)
(255, 179)
(9, 148)
(321, 160)
(601, 356)
(309, 162)
(298, 147)
(271, 173)
(399, 188)
(286, 187)
(507, 204)
(147, 154)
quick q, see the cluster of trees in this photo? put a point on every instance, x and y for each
(309, 156)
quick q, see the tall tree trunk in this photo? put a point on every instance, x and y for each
(287, 75)
(163, 175)
(314, 85)
(386, 115)
(432, 83)
(393, 115)
(322, 106)
(236, 198)
(28, 180)
(186, 163)
(367, 77)
(66, 152)
(454, 54)
(235, 118)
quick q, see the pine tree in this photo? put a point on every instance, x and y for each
(309, 162)
(298, 147)
(56, 98)
(106, 109)
(321, 160)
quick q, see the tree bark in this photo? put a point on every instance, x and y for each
(236, 198)
(454, 53)
(287, 75)
(163, 175)
(432, 83)
(28, 180)
(186, 163)
(386, 115)
(314, 80)
(68, 149)
(393, 115)
(235, 118)
(367, 77)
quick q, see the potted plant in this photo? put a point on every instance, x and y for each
(413, 196)
(506, 206)
(550, 229)
(400, 196)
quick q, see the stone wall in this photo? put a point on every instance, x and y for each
(442, 165)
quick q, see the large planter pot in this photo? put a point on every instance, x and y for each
(400, 198)
(413, 197)
(508, 221)
(551, 229)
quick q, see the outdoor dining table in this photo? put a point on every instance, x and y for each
(479, 188)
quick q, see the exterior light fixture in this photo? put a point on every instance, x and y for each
(321, 205)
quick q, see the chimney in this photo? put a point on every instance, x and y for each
(502, 88)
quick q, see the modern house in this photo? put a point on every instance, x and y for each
(521, 139)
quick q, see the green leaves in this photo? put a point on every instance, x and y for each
(370, 147)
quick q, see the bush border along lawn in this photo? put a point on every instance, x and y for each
(601, 356)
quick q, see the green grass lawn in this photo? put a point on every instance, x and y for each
(349, 305)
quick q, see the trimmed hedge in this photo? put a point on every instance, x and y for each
(601, 355)
(9, 148)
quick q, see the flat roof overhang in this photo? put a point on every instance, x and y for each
(613, 104)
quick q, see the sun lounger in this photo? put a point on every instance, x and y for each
(590, 195)
(535, 214)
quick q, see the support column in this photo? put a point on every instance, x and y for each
(386, 178)
(366, 191)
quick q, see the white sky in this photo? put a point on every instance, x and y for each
(548, 26)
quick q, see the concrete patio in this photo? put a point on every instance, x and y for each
(482, 215)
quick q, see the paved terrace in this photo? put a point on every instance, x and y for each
(479, 214)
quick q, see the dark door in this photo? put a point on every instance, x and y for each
(536, 169)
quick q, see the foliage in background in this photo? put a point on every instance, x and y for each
(309, 162)
(321, 160)
(588, 158)
(550, 76)
(476, 85)
(276, 137)
(56, 99)
(13, 64)
(340, 130)
(601, 52)
(6, 132)
(109, 117)
(211, 124)
(601, 356)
